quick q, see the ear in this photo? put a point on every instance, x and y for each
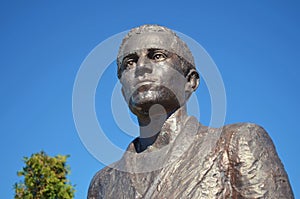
(192, 83)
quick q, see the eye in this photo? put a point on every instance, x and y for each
(158, 56)
(129, 62)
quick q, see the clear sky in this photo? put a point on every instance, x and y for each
(255, 45)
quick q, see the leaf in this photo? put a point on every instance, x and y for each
(44, 177)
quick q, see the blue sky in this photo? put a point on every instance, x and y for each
(255, 45)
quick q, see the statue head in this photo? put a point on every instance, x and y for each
(155, 67)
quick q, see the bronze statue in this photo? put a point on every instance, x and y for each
(175, 156)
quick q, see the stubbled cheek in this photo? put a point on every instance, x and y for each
(127, 91)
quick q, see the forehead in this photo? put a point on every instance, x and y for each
(151, 40)
(147, 41)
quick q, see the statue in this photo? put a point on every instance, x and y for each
(175, 156)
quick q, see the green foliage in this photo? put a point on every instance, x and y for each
(44, 178)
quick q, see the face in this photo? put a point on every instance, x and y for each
(152, 76)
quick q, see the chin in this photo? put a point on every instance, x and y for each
(143, 98)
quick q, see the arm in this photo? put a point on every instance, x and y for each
(255, 168)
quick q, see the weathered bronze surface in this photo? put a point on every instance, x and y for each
(175, 156)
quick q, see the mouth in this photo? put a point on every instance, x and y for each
(143, 86)
(143, 83)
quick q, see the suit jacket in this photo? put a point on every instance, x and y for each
(236, 161)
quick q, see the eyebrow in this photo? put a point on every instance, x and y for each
(158, 49)
(130, 56)
(149, 50)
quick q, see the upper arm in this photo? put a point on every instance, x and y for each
(255, 168)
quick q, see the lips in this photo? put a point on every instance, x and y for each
(142, 87)
(143, 83)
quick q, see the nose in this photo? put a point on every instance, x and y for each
(143, 66)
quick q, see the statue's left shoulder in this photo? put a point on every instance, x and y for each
(243, 137)
(255, 167)
(248, 132)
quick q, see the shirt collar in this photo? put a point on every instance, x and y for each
(169, 131)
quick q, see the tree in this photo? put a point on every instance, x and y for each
(44, 178)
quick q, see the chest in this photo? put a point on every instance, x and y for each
(194, 175)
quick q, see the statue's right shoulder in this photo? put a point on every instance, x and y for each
(99, 182)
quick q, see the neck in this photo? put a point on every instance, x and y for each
(150, 127)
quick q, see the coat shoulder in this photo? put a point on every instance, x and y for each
(247, 131)
(98, 183)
